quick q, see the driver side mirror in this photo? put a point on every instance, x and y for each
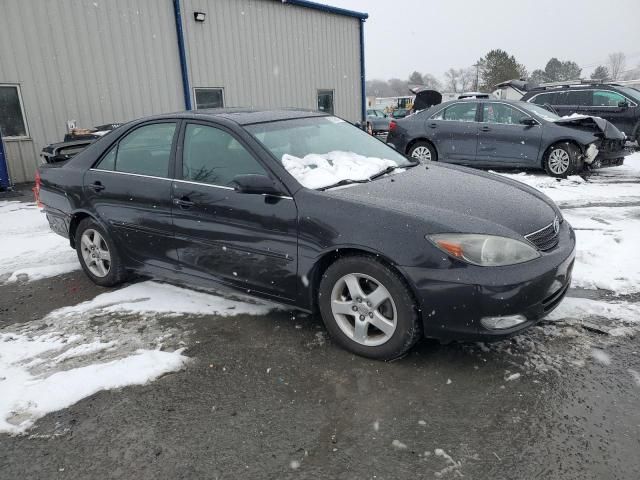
(528, 121)
(623, 104)
(255, 184)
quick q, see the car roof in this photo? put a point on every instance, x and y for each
(243, 116)
(581, 86)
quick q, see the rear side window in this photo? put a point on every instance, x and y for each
(460, 112)
(211, 155)
(145, 151)
(578, 97)
(607, 98)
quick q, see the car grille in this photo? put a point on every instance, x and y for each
(546, 238)
(608, 145)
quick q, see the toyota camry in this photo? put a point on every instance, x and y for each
(305, 209)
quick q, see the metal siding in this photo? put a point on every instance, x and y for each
(94, 61)
(266, 53)
(100, 61)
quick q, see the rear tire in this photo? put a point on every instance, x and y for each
(98, 254)
(368, 309)
(423, 151)
(561, 160)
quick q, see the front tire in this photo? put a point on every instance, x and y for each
(368, 309)
(98, 254)
(423, 151)
(561, 160)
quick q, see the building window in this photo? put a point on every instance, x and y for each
(209, 98)
(325, 101)
(12, 119)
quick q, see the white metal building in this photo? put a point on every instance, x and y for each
(110, 61)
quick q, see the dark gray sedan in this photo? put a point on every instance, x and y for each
(494, 133)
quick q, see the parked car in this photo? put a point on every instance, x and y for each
(74, 142)
(400, 113)
(615, 103)
(305, 209)
(491, 133)
(377, 121)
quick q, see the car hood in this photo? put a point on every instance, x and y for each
(457, 199)
(596, 124)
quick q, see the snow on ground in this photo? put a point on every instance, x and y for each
(30, 250)
(317, 171)
(109, 342)
(608, 253)
(613, 185)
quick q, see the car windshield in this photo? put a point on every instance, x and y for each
(321, 152)
(631, 92)
(540, 112)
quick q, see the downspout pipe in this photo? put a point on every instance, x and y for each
(362, 73)
(183, 55)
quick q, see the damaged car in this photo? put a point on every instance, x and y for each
(491, 133)
(75, 142)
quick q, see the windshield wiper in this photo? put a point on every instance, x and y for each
(391, 169)
(341, 183)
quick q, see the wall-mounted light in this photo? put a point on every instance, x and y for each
(199, 16)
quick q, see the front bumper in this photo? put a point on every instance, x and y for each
(454, 301)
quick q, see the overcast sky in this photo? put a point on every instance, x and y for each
(431, 36)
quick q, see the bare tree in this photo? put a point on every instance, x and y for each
(467, 78)
(617, 62)
(451, 77)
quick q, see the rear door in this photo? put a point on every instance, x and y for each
(503, 141)
(245, 240)
(454, 130)
(130, 190)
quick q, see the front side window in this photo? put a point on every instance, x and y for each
(502, 113)
(213, 156)
(209, 98)
(461, 112)
(607, 98)
(12, 121)
(145, 151)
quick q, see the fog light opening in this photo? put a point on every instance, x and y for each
(502, 323)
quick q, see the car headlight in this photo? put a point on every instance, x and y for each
(484, 250)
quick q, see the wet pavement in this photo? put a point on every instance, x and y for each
(273, 397)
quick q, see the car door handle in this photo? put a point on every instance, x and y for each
(183, 202)
(433, 125)
(97, 186)
(485, 129)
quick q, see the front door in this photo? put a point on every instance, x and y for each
(455, 133)
(504, 141)
(614, 107)
(245, 240)
(130, 191)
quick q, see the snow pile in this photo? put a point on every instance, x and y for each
(160, 298)
(607, 255)
(29, 248)
(112, 341)
(317, 171)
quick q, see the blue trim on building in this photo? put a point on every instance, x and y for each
(5, 181)
(363, 91)
(327, 8)
(183, 55)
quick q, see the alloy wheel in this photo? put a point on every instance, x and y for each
(421, 153)
(559, 161)
(364, 309)
(95, 253)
